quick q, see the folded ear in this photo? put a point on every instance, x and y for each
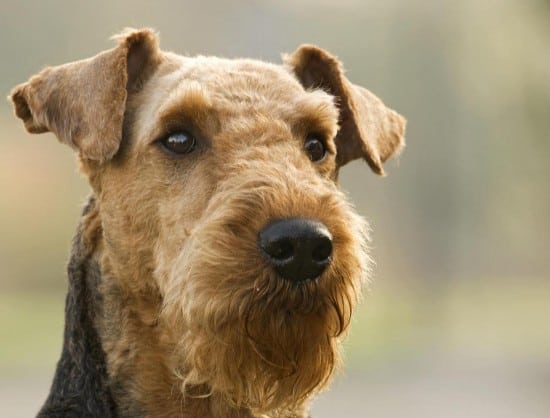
(368, 129)
(83, 102)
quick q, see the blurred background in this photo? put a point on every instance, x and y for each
(457, 320)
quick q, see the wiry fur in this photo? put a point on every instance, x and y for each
(226, 302)
(189, 318)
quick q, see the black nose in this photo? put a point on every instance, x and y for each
(299, 249)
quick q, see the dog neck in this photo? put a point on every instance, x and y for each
(81, 385)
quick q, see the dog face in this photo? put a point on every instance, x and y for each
(192, 160)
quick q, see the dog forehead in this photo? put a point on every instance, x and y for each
(233, 89)
(233, 76)
(233, 85)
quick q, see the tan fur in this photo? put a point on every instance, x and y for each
(194, 322)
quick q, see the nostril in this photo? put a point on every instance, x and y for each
(280, 250)
(322, 252)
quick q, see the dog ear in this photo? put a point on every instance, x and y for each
(83, 102)
(368, 129)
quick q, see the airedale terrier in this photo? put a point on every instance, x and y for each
(217, 264)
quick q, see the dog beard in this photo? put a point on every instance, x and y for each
(260, 341)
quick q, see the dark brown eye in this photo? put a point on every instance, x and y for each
(315, 149)
(180, 143)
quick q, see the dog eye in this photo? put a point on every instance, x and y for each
(315, 148)
(179, 142)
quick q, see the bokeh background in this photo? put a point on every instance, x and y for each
(457, 320)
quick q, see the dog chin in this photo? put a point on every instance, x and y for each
(277, 372)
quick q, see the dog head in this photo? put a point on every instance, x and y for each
(210, 175)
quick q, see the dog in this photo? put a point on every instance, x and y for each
(217, 264)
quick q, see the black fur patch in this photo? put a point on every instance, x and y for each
(80, 387)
